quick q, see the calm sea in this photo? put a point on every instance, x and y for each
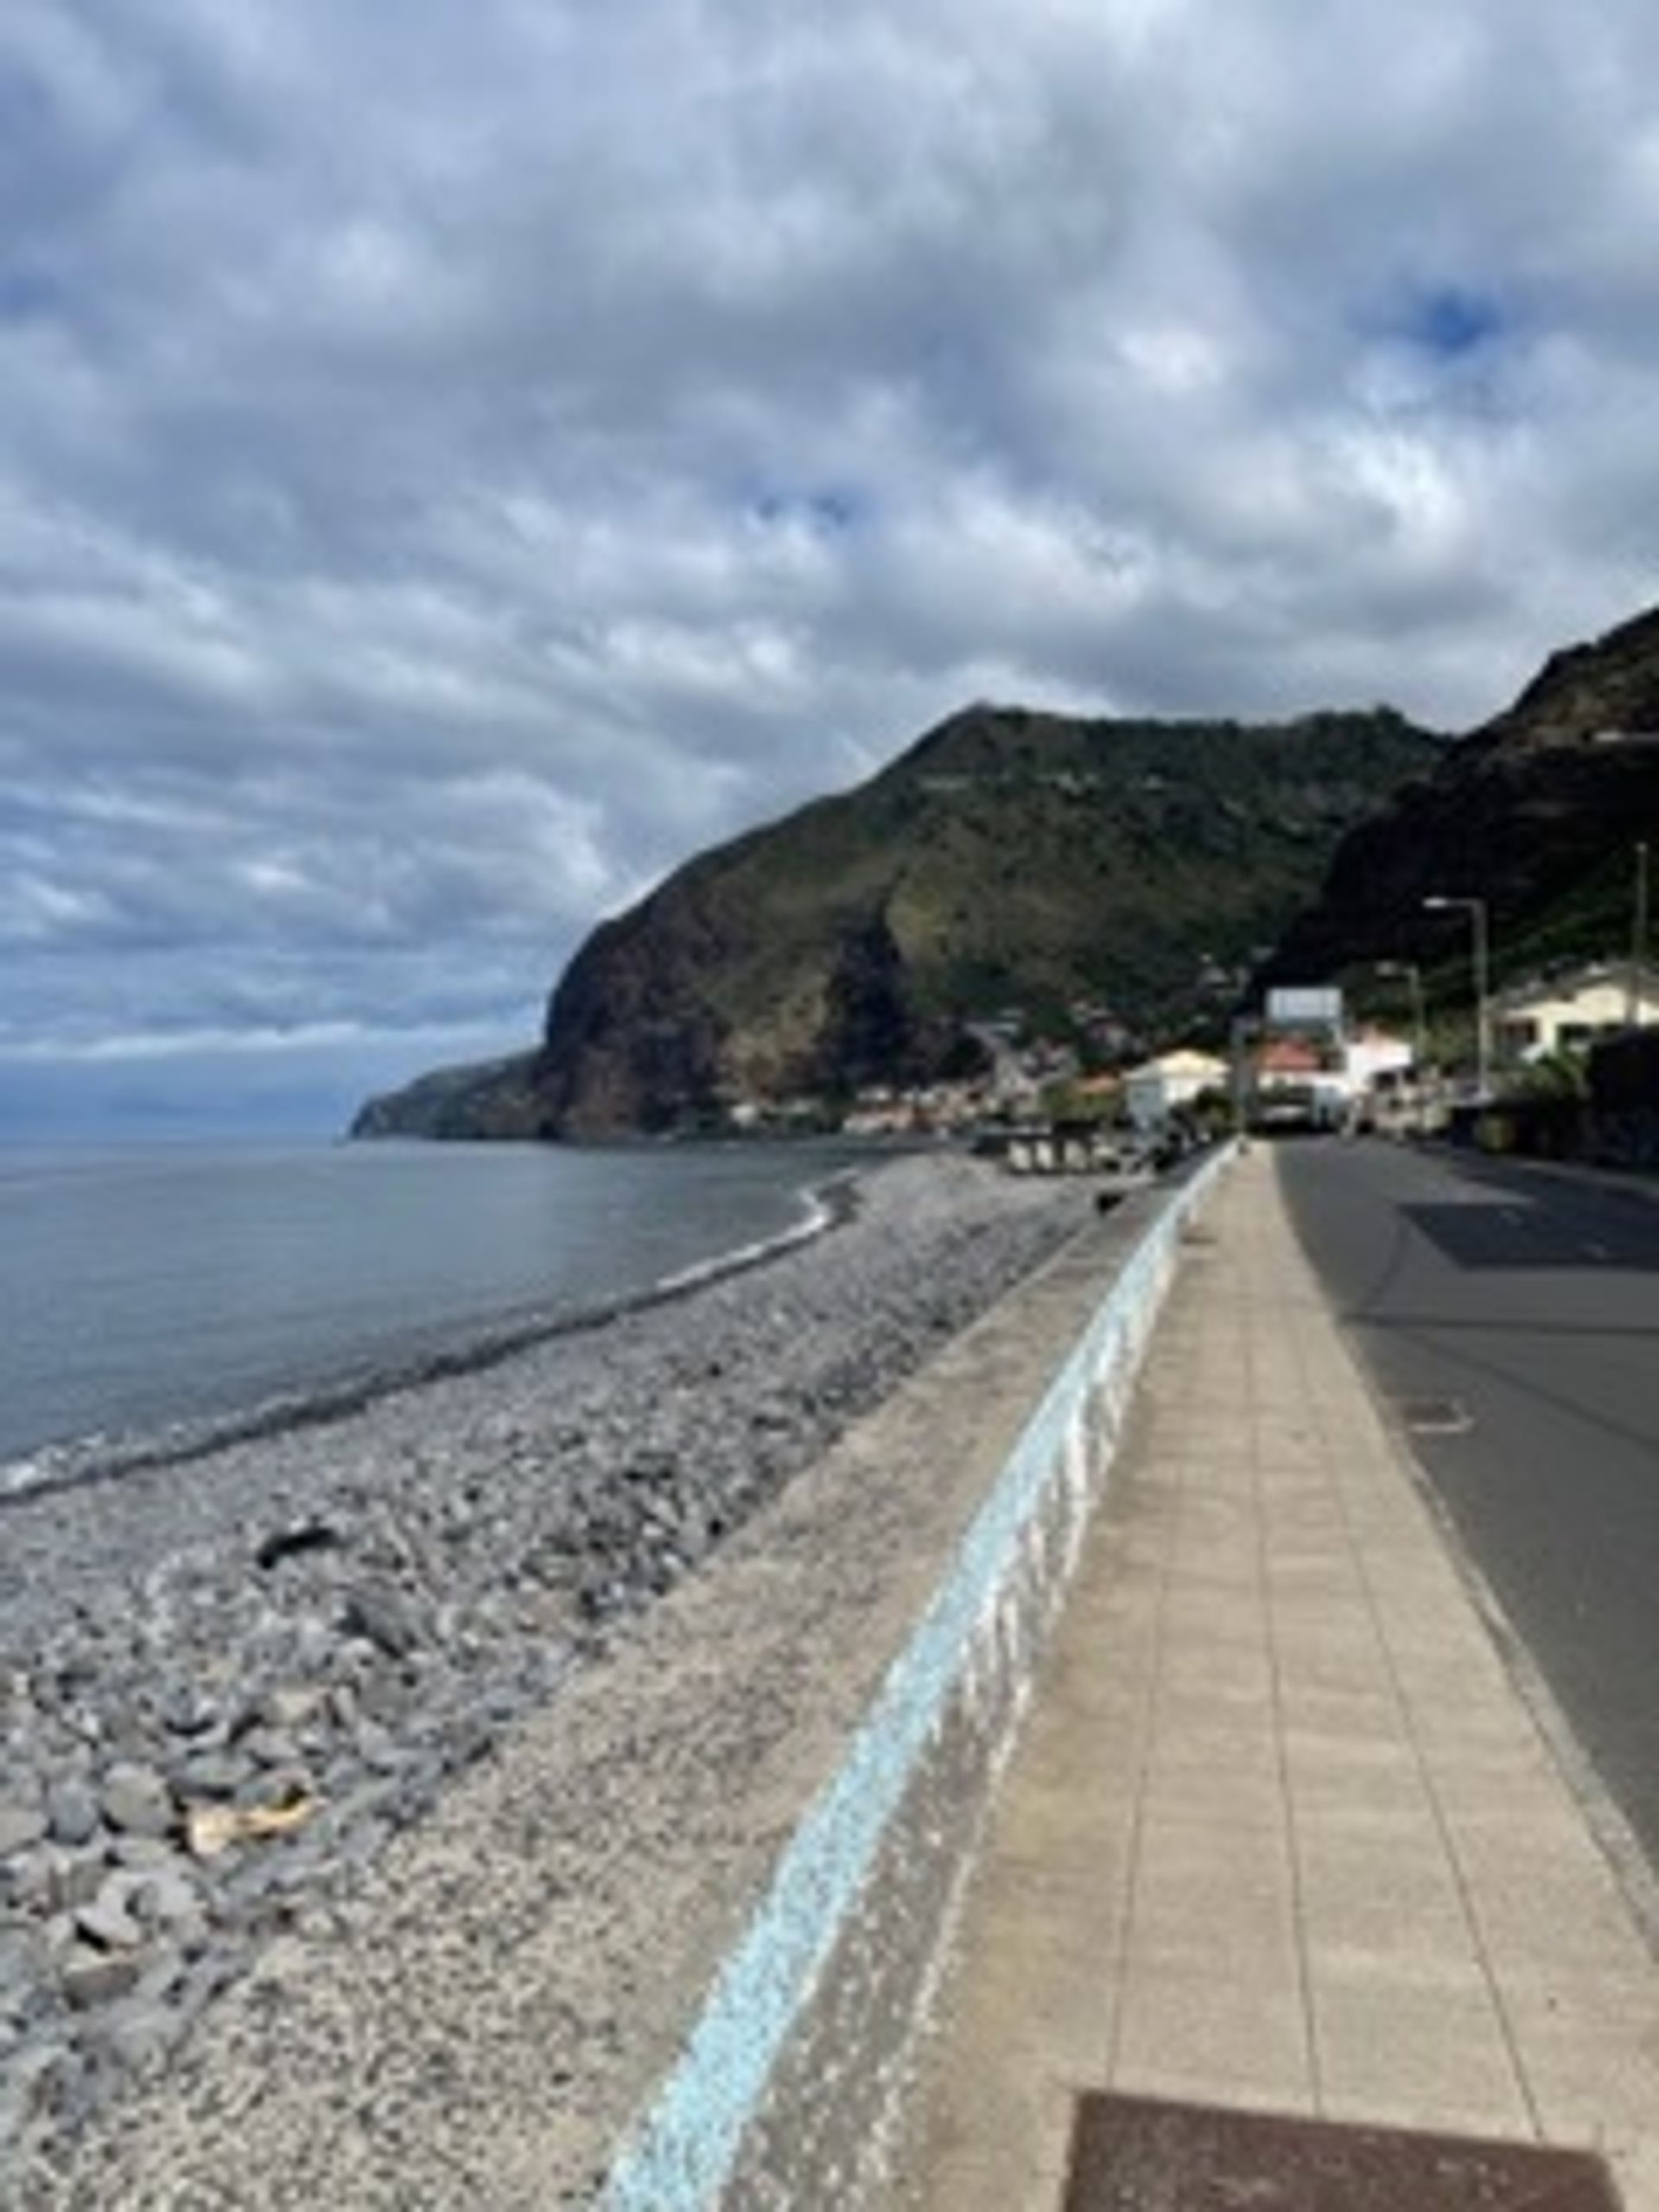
(145, 1287)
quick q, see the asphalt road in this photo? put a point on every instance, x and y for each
(1511, 1318)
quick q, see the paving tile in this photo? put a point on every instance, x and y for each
(1413, 2058)
(1183, 2031)
(1315, 1711)
(1282, 1835)
(1235, 1802)
(1591, 2058)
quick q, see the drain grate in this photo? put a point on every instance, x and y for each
(1139, 2154)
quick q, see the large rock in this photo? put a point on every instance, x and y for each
(137, 1801)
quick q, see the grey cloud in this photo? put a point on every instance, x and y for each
(450, 468)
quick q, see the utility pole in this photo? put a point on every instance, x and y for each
(1476, 910)
(1414, 976)
(1638, 938)
(1244, 1028)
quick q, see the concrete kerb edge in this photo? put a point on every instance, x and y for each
(681, 2153)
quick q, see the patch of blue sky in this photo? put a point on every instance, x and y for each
(25, 294)
(1453, 346)
(834, 510)
(1453, 322)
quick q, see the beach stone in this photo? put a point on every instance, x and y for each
(215, 1773)
(167, 1898)
(71, 1811)
(22, 1823)
(276, 1786)
(108, 1921)
(137, 1801)
(88, 1976)
(268, 1747)
(73, 1878)
(187, 1712)
(143, 1854)
(377, 1748)
(381, 1617)
(16, 1964)
(135, 2036)
(165, 1968)
(311, 1647)
(292, 1706)
(26, 1882)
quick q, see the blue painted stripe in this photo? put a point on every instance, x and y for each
(682, 2154)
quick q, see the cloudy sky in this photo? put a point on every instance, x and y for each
(456, 459)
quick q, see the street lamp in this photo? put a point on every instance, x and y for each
(1476, 910)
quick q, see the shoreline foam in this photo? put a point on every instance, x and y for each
(105, 1456)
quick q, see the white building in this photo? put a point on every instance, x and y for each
(1374, 1053)
(1533, 1021)
(1154, 1091)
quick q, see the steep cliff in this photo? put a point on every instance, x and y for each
(1536, 812)
(1009, 859)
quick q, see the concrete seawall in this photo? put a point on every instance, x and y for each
(780, 2095)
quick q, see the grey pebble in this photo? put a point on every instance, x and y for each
(89, 1976)
(136, 1800)
(214, 1774)
(108, 1922)
(135, 2036)
(71, 1811)
(23, 1822)
(441, 1562)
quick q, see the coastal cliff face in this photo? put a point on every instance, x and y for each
(1009, 859)
(1537, 813)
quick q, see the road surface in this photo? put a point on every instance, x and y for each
(1510, 1318)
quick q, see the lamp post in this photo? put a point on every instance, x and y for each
(1476, 910)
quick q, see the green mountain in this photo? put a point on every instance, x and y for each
(1009, 860)
(1538, 813)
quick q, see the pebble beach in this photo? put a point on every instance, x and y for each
(226, 1682)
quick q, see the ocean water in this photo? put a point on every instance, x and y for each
(150, 1295)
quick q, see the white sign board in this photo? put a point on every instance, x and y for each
(1305, 1008)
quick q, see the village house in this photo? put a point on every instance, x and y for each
(1160, 1087)
(1532, 1021)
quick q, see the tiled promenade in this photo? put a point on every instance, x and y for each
(1280, 1834)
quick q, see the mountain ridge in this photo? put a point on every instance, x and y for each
(1009, 856)
(1535, 813)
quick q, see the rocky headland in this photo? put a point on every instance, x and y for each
(1104, 872)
